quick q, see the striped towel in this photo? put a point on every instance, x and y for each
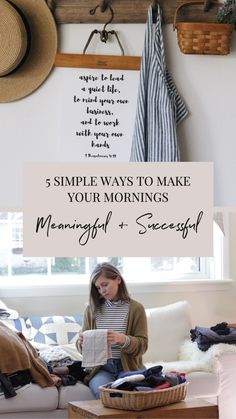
(159, 106)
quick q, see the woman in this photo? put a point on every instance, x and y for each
(110, 307)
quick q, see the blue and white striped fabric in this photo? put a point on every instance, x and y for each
(159, 106)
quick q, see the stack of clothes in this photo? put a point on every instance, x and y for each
(19, 363)
(205, 337)
(62, 368)
(147, 380)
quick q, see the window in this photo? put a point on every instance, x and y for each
(14, 266)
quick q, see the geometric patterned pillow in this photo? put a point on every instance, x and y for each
(17, 325)
(54, 330)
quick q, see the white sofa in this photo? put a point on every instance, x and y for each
(211, 375)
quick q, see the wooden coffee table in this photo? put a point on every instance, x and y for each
(94, 409)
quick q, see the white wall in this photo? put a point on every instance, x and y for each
(29, 128)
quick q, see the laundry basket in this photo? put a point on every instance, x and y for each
(202, 37)
(142, 400)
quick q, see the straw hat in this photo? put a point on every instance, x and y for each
(28, 43)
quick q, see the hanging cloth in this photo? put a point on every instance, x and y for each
(159, 106)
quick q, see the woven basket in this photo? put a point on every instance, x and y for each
(201, 37)
(142, 400)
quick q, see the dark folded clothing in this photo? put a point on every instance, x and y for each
(175, 379)
(153, 371)
(6, 386)
(156, 370)
(68, 380)
(151, 381)
(9, 383)
(127, 386)
(76, 370)
(221, 328)
(206, 337)
(155, 380)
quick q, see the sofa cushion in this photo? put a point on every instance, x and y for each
(168, 327)
(18, 325)
(31, 398)
(70, 393)
(203, 384)
(54, 330)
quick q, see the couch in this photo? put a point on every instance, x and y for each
(211, 375)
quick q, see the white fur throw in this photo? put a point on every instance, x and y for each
(191, 358)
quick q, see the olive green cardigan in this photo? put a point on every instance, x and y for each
(136, 329)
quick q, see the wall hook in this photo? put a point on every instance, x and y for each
(103, 7)
(104, 34)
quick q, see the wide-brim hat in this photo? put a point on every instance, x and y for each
(28, 44)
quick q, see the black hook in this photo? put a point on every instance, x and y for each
(104, 34)
(103, 6)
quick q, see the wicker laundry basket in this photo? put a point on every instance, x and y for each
(202, 37)
(142, 400)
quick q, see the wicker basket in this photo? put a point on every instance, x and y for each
(203, 38)
(142, 400)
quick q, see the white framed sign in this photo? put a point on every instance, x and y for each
(97, 113)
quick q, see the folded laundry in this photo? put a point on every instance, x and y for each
(128, 373)
(161, 386)
(54, 355)
(221, 328)
(206, 337)
(132, 378)
(76, 370)
(68, 380)
(156, 370)
(152, 378)
(174, 379)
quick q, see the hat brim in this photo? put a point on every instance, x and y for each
(41, 56)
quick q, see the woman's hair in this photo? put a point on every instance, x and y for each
(110, 272)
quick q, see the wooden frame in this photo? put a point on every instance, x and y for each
(125, 11)
(113, 62)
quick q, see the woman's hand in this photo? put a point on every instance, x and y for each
(116, 338)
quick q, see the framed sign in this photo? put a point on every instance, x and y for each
(98, 109)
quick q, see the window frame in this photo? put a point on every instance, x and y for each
(67, 282)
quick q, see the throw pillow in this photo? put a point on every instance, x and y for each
(17, 325)
(168, 327)
(54, 330)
